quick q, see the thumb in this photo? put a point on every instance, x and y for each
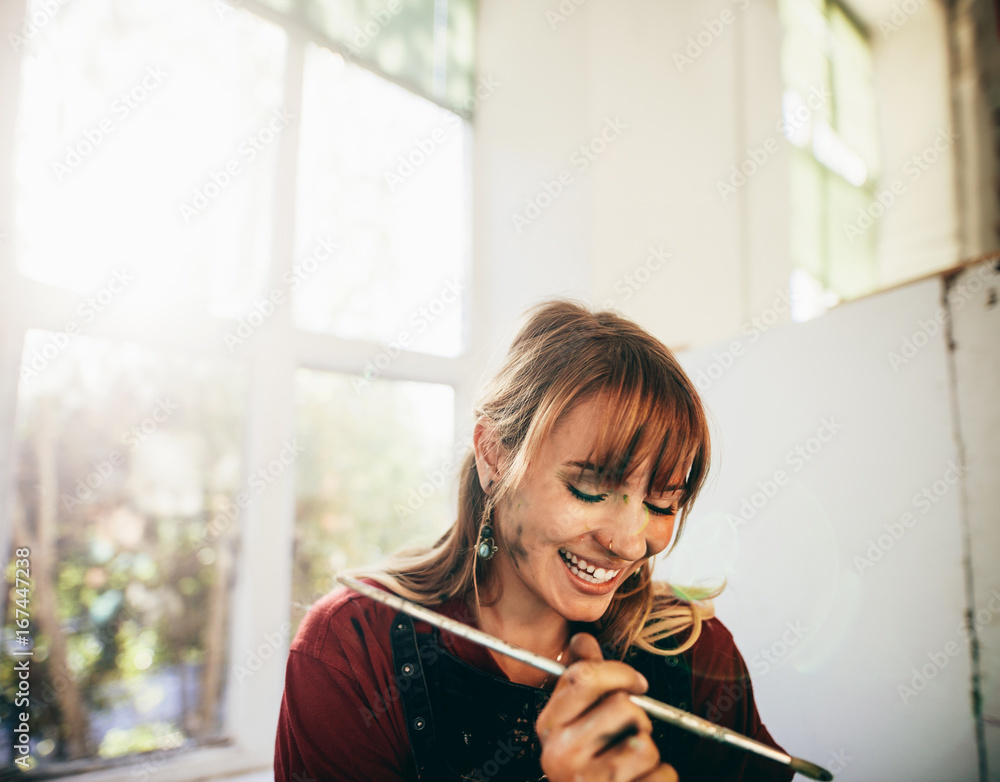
(582, 646)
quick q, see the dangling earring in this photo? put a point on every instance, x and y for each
(487, 547)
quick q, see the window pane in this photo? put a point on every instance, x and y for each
(130, 113)
(806, 213)
(425, 43)
(123, 456)
(853, 272)
(854, 90)
(804, 62)
(378, 473)
(383, 173)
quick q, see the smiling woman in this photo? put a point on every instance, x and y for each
(589, 449)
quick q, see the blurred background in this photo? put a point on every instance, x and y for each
(257, 256)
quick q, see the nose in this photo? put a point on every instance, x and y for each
(630, 531)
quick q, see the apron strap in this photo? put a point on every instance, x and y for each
(413, 692)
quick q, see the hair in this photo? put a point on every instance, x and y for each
(564, 355)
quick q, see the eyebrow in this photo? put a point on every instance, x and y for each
(589, 466)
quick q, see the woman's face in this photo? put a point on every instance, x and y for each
(569, 544)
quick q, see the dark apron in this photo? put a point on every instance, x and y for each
(466, 724)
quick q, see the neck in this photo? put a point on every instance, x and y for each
(519, 618)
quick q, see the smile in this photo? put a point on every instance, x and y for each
(584, 570)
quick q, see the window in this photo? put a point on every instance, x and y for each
(242, 264)
(829, 116)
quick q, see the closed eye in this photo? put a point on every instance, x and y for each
(585, 497)
(591, 498)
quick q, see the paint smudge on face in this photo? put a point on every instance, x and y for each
(516, 547)
(625, 497)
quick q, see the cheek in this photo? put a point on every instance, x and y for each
(659, 533)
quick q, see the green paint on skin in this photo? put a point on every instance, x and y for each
(626, 499)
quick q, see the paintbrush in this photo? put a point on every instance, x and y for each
(654, 708)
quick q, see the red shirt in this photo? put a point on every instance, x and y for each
(342, 718)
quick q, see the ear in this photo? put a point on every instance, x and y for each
(486, 441)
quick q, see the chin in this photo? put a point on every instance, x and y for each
(589, 612)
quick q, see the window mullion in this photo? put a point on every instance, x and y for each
(260, 616)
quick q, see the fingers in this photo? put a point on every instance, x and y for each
(583, 646)
(613, 719)
(635, 758)
(587, 679)
(590, 729)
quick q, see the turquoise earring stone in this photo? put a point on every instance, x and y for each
(486, 546)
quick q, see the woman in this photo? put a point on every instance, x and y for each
(589, 449)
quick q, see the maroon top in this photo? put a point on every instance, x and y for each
(342, 718)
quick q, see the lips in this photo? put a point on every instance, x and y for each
(586, 570)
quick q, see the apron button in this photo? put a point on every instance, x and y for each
(419, 723)
(408, 669)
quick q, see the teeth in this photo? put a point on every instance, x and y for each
(579, 567)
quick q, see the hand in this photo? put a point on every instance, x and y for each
(590, 710)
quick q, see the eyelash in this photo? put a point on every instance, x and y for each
(672, 510)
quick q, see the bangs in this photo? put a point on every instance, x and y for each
(658, 426)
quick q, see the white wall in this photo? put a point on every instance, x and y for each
(834, 595)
